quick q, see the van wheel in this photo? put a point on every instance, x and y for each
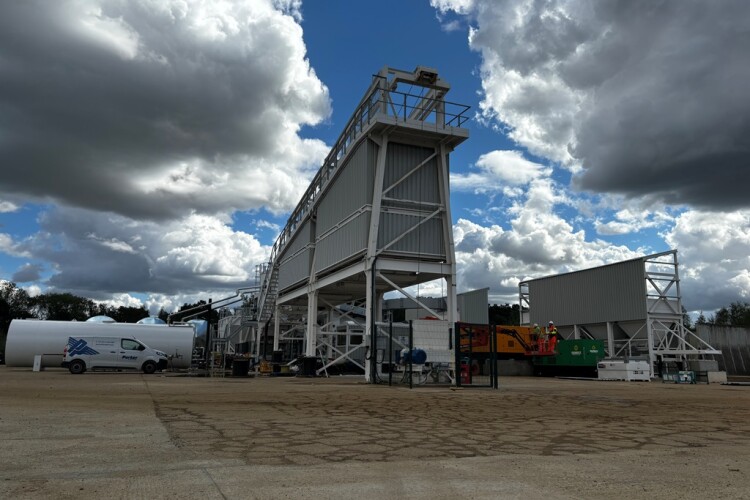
(149, 367)
(77, 367)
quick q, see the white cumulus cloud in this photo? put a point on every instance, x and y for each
(499, 170)
(536, 242)
(639, 98)
(713, 250)
(185, 256)
(158, 108)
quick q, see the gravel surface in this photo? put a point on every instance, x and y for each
(127, 435)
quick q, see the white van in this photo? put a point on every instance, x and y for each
(86, 353)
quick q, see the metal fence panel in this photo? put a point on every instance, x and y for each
(418, 353)
(476, 355)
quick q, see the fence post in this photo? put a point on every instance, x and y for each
(411, 348)
(470, 331)
(390, 350)
(457, 353)
(493, 357)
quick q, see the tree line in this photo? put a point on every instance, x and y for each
(504, 314)
(15, 303)
(737, 315)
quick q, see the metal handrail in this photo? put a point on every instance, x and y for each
(376, 104)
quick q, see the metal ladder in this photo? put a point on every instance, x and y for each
(269, 291)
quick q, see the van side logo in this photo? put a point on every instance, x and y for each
(79, 346)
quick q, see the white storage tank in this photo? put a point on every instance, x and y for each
(151, 320)
(100, 319)
(28, 338)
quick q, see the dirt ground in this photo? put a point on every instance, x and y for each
(127, 435)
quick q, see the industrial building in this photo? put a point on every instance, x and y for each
(376, 219)
(635, 306)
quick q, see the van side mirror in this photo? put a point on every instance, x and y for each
(141, 348)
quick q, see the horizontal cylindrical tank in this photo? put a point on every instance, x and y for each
(28, 338)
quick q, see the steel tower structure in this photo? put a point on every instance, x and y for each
(635, 306)
(376, 217)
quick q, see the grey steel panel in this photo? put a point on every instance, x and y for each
(300, 240)
(351, 189)
(473, 306)
(615, 292)
(343, 243)
(422, 185)
(294, 269)
(734, 344)
(427, 239)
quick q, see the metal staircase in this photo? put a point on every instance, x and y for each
(268, 277)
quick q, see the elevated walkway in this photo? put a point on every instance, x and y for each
(376, 217)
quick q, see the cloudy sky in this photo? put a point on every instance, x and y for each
(150, 150)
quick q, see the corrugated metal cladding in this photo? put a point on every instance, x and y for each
(294, 269)
(427, 239)
(734, 344)
(301, 239)
(422, 185)
(473, 306)
(342, 243)
(352, 188)
(295, 266)
(615, 292)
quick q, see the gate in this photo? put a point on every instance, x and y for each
(476, 355)
(417, 353)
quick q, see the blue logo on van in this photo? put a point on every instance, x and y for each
(79, 346)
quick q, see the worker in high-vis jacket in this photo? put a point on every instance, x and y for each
(552, 336)
(536, 338)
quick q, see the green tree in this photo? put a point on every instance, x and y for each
(687, 322)
(63, 307)
(504, 314)
(129, 314)
(739, 314)
(14, 304)
(163, 314)
(104, 310)
(701, 319)
(721, 318)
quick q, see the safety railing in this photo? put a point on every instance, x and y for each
(380, 102)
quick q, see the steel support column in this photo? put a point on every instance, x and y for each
(450, 280)
(369, 327)
(276, 328)
(312, 323)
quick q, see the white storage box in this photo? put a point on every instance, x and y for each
(620, 370)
